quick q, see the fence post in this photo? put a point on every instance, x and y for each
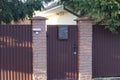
(39, 48)
(85, 48)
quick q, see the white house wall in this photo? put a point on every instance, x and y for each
(61, 19)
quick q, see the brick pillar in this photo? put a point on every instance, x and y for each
(39, 49)
(85, 48)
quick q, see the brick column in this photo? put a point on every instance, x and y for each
(39, 49)
(85, 48)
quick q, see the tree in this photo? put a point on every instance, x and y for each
(105, 12)
(15, 10)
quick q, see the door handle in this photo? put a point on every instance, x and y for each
(75, 49)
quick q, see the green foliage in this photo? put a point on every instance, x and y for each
(18, 10)
(105, 12)
(102, 78)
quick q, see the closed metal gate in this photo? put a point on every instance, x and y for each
(62, 52)
(15, 52)
(106, 53)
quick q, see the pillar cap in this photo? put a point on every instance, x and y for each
(38, 18)
(84, 19)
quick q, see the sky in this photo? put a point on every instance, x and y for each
(54, 1)
(51, 3)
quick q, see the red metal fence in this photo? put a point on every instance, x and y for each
(106, 53)
(62, 60)
(15, 52)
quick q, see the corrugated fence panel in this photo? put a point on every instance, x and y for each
(61, 60)
(106, 53)
(15, 52)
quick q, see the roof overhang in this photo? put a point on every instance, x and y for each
(50, 11)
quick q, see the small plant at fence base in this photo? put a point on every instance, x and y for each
(101, 79)
(107, 78)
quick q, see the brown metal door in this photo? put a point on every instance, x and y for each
(16, 52)
(62, 52)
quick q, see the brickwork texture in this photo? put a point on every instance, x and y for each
(39, 50)
(85, 48)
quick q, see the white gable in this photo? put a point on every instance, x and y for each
(57, 16)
